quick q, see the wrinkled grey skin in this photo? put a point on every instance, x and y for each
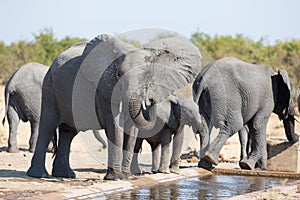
(23, 101)
(175, 113)
(249, 94)
(123, 79)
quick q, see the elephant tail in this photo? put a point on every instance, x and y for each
(6, 100)
(199, 87)
(54, 142)
(201, 96)
(100, 138)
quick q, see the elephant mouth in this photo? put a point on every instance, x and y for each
(143, 112)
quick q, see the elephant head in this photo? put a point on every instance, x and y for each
(284, 103)
(140, 78)
(178, 111)
(174, 63)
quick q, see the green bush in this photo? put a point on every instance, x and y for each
(282, 55)
(45, 47)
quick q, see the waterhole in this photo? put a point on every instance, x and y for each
(213, 187)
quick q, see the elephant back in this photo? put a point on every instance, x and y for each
(73, 51)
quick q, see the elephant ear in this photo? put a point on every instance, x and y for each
(101, 63)
(285, 93)
(176, 62)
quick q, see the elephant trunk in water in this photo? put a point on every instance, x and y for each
(141, 114)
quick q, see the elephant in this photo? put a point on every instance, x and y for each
(175, 112)
(231, 94)
(22, 102)
(110, 85)
(23, 93)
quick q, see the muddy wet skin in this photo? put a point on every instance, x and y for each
(213, 187)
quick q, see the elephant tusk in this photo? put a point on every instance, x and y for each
(144, 105)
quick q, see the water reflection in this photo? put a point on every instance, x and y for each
(214, 187)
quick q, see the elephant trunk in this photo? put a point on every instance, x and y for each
(289, 127)
(142, 115)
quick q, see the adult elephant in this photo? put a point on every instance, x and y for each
(23, 93)
(232, 93)
(174, 112)
(111, 86)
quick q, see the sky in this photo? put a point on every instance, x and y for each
(270, 19)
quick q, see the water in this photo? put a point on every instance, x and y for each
(214, 187)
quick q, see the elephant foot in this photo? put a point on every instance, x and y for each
(128, 175)
(136, 170)
(63, 172)
(164, 170)
(37, 172)
(155, 171)
(12, 150)
(112, 175)
(260, 165)
(213, 159)
(174, 167)
(261, 168)
(205, 164)
(246, 164)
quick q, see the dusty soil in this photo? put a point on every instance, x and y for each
(87, 159)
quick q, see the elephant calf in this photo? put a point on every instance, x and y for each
(23, 102)
(175, 112)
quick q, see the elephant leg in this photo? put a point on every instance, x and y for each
(204, 136)
(13, 122)
(128, 148)
(257, 131)
(244, 141)
(177, 148)
(34, 134)
(165, 138)
(115, 142)
(61, 165)
(215, 147)
(47, 127)
(155, 156)
(134, 167)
